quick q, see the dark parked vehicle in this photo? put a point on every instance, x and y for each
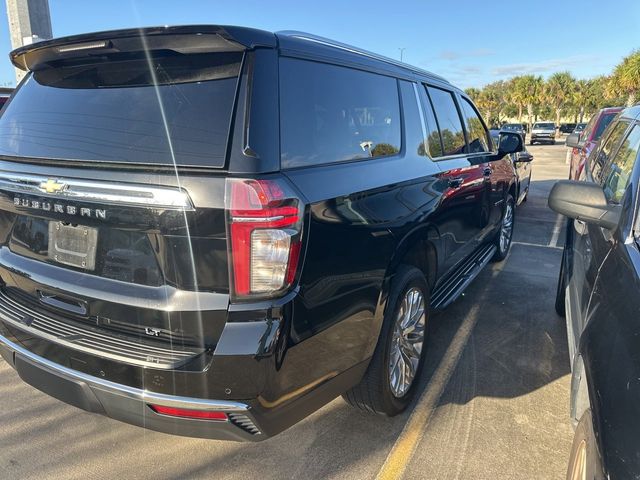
(5, 94)
(543, 132)
(581, 143)
(267, 229)
(579, 128)
(599, 292)
(515, 128)
(567, 127)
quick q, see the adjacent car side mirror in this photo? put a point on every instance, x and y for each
(509, 143)
(573, 140)
(524, 156)
(584, 201)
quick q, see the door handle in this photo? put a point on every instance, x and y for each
(456, 182)
(487, 172)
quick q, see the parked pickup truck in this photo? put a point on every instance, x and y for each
(238, 226)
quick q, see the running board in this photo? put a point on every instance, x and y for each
(447, 292)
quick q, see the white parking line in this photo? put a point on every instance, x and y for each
(527, 244)
(557, 228)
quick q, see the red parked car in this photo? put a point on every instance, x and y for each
(581, 146)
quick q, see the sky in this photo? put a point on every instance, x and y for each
(471, 43)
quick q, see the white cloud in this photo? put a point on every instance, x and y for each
(545, 66)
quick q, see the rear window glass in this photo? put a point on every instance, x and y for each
(546, 126)
(111, 111)
(333, 114)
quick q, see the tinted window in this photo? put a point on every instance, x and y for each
(332, 114)
(476, 133)
(544, 126)
(110, 111)
(603, 154)
(453, 142)
(619, 171)
(604, 123)
(413, 123)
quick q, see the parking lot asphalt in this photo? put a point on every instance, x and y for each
(493, 400)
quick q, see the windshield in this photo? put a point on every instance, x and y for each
(109, 112)
(544, 126)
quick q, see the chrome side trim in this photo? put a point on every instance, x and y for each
(96, 191)
(124, 390)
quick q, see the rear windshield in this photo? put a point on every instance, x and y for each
(112, 112)
(544, 126)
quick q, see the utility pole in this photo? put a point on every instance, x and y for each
(402, 52)
(29, 22)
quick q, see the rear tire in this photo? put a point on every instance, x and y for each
(377, 392)
(505, 234)
(584, 460)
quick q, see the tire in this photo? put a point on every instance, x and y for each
(553, 142)
(531, 142)
(584, 461)
(502, 249)
(561, 289)
(526, 195)
(375, 392)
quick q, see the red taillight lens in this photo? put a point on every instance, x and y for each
(265, 223)
(187, 413)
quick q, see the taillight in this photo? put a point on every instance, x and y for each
(265, 228)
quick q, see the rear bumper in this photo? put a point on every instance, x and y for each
(128, 404)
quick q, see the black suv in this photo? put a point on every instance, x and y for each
(599, 293)
(214, 231)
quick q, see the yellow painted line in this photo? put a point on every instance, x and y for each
(402, 451)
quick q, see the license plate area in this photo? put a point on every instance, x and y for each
(73, 245)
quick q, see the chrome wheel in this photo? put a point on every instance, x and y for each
(407, 341)
(507, 228)
(579, 467)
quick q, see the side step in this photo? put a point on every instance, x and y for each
(449, 290)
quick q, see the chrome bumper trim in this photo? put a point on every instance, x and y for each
(124, 390)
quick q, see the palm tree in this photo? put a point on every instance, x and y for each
(580, 98)
(517, 95)
(625, 79)
(558, 91)
(490, 101)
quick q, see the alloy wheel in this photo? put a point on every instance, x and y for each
(506, 230)
(406, 342)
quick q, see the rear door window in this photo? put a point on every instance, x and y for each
(453, 142)
(619, 171)
(334, 114)
(476, 132)
(179, 112)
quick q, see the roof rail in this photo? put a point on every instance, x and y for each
(358, 51)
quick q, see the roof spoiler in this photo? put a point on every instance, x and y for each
(186, 40)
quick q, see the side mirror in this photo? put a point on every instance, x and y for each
(584, 201)
(573, 140)
(524, 156)
(509, 143)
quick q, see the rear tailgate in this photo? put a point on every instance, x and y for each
(112, 240)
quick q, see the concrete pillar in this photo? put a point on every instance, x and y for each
(29, 22)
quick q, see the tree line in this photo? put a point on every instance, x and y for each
(559, 96)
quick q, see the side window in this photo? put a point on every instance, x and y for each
(619, 171)
(603, 154)
(332, 114)
(413, 121)
(476, 132)
(453, 142)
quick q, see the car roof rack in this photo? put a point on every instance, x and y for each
(358, 51)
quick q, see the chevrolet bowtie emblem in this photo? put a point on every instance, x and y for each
(52, 186)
